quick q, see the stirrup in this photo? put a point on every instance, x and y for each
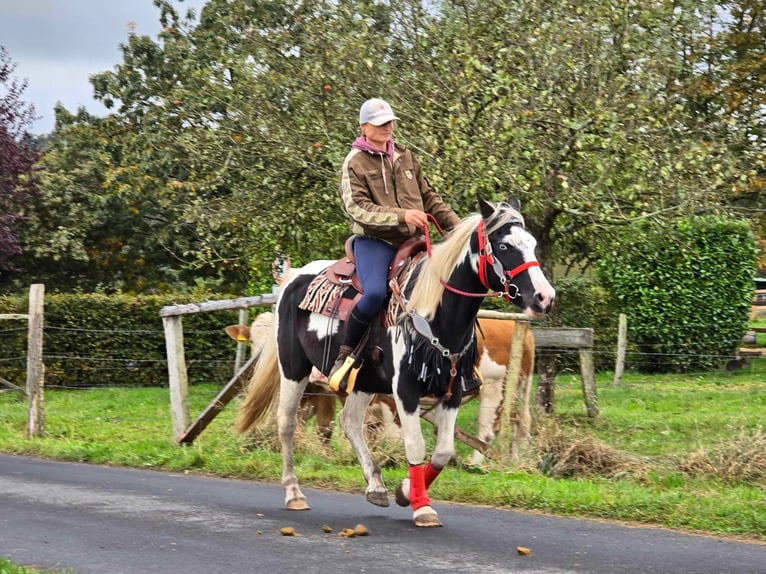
(351, 381)
(338, 378)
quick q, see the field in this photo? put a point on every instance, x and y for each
(679, 451)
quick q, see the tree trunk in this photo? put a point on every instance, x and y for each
(547, 368)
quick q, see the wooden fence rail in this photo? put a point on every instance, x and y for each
(178, 380)
(582, 340)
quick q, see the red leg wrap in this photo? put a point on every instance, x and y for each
(430, 473)
(418, 493)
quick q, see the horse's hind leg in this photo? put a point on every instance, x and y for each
(290, 394)
(352, 419)
(325, 415)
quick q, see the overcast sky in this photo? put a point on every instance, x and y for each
(58, 44)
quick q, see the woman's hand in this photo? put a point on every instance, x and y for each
(416, 218)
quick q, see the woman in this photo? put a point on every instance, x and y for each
(387, 199)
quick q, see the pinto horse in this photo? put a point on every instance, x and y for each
(493, 339)
(429, 350)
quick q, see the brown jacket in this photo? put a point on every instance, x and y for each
(376, 191)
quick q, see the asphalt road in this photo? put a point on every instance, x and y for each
(104, 520)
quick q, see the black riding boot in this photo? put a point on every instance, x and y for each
(356, 326)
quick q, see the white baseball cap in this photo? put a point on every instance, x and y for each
(376, 112)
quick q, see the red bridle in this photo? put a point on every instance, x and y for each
(486, 260)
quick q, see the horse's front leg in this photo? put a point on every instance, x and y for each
(413, 491)
(290, 393)
(352, 418)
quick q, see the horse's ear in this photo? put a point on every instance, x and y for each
(514, 202)
(485, 208)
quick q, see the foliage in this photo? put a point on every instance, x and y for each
(16, 156)
(686, 289)
(582, 302)
(728, 84)
(574, 107)
(93, 340)
(90, 230)
(227, 132)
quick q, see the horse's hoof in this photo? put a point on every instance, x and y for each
(403, 493)
(426, 517)
(298, 504)
(377, 498)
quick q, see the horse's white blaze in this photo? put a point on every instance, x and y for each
(522, 240)
(543, 289)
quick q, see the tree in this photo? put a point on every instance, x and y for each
(16, 156)
(240, 123)
(226, 135)
(730, 85)
(83, 231)
(573, 106)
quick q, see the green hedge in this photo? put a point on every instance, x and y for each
(93, 340)
(686, 289)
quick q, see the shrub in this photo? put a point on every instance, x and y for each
(686, 289)
(582, 302)
(93, 340)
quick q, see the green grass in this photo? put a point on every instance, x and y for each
(640, 449)
(760, 338)
(8, 567)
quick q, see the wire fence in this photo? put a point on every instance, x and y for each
(96, 357)
(655, 425)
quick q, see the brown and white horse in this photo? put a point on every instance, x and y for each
(493, 338)
(430, 351)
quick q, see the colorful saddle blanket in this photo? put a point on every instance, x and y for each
(334, 291)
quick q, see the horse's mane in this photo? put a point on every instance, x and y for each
(445, 256)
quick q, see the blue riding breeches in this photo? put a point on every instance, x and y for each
(373, 258)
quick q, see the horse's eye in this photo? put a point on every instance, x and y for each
(503, 247)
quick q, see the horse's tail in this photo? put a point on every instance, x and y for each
(263, 388)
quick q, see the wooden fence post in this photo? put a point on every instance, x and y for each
(177, 377)
(244, 346)
(589, 382)
(516, 417)
(35, 367)
(622, 345)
